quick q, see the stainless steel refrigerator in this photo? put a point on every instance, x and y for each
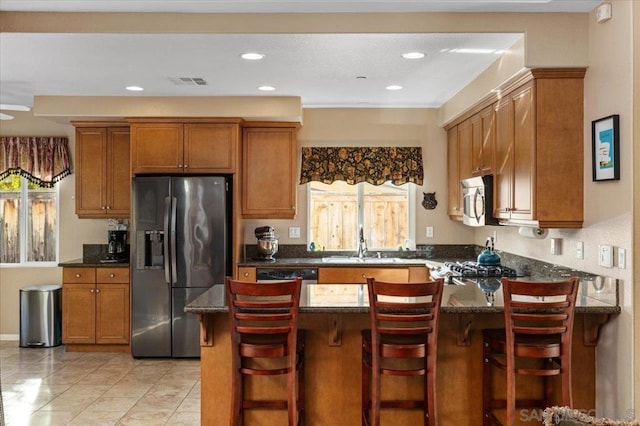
(181, 249)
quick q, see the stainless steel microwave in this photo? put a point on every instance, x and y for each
(477, 201)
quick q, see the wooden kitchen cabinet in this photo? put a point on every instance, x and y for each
(269, 170)
(95, 309)
(194, 146)
(454, 201)
(246, 273)
(103, 182)
(483, 141)
(531, 140)
(539, 151)
(515, 147)
(359, 275)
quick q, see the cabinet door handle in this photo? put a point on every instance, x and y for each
(179, 166)
(77, 275)
(97, 290)
(246, 274)
(108, 207)
(91, 291)
(364, 276)
(103, 207)
(112, 275)
(186, 166)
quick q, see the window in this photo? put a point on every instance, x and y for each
(336, 212)
(28, 223)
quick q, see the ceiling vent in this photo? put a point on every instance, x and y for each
(188, 81)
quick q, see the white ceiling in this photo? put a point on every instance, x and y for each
(324, 70)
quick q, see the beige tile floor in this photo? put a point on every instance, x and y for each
(49, 386)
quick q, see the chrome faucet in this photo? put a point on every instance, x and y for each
(362, 244)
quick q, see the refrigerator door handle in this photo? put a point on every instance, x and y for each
(174, 272)
(167, 211)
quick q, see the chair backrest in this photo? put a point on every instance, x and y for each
(269, 308)
(405, 308)
(540, 308)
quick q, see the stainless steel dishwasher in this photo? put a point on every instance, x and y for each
(308, 275)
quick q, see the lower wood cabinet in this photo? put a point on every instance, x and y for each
(95, 308)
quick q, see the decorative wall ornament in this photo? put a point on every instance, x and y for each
(429, 201)
(605, 144)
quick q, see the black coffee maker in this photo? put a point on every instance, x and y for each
(117, 247)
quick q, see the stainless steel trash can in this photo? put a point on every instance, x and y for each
(41, 316)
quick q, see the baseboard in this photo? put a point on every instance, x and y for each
(9, 337)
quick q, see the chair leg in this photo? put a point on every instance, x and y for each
(565, 377)
(376, 385)
(431, 418)
(301, 391)
(292, 393)
(237, 391)
(366, 387)
(511, 394)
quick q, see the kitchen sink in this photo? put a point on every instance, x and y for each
(354, 259)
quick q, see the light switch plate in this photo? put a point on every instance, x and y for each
(429, 232)
(605, 256)
(622, 258)
(294, 232)
(580, 250)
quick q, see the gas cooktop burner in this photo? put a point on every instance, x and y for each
(475, 270)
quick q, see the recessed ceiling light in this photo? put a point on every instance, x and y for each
(267, 88)
(394, 87)
(134, 88)
(252, 56)
(413, 55)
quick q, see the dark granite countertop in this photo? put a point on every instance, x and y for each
(596, 297)
(92, 254)
(335, 261)
(92, 263)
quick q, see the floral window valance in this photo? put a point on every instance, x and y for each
(374, 165)
(42, 160)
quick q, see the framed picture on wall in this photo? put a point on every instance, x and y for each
(605, 148)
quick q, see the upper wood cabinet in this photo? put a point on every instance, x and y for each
(269, 169)
(539, 141)
(534, 133)
(103, 181)
(454, 201)
(459, 162)
(195, 146)
(483, 142)
(516, 150)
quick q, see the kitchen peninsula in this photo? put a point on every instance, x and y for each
(333, 325)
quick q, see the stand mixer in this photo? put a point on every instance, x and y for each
(267, 243)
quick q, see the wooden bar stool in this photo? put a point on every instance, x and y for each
(536, 342)
(404, 325)
(264, 329)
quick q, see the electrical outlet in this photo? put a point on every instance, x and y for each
(429, 231)
(294, 232)
(605, 256)
(579, 250)
(556, 246)
(622, 258)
